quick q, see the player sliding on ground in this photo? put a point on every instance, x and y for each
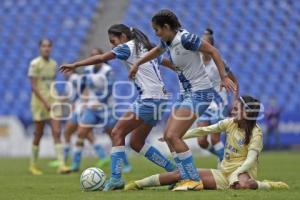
(238, 170)
(196, 92)
(129, 45)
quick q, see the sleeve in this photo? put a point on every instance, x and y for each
(256, 141)
(247, 164)
(190, 41)
(202, 131)
(122, 51)
(33, 70)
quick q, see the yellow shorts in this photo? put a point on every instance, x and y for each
(40, 113)
(222, 180)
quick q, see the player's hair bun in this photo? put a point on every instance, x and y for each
(209, 31)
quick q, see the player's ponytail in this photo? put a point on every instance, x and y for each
(140, 39)
(165, 16)
(209, 33)
(252, 108)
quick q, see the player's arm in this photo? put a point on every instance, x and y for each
(93, 60)
(205, 47)
(235, 81)
(168, 64)
(152, 54)
(203, 131)
(34, 89)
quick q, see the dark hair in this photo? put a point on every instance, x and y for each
(140, 39)
(43, 40)
(209, 33)
(165, 16)
(252, 108)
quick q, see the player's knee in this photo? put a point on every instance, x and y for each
(215, 139)
(202, 142)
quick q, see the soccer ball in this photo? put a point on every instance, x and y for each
(92, 179)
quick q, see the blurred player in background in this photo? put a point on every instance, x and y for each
(218, 109)
(42, 73)
(130, 44)
(238, 169)
(196, 91)
(95, 109)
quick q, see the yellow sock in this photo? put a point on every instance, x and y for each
(34, 154)
(59, 153)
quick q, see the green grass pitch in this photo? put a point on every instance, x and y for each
(17, 183)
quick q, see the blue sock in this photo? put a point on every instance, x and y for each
(188, 165)
(218, 150)
(99, 151)
(117, 159)
(67, 149)
(152, 154)
(126, 161)
(77, 157)
(183, 174)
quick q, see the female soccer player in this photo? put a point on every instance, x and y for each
(218, 109)
(42, 72)
(130, 44)
(196, 89)
(238, 170)
(97, 82)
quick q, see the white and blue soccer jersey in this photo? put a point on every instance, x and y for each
(184, 54)
(148, 79)
(221, 96)
(99, 84)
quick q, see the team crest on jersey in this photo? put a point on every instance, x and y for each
(241, 142)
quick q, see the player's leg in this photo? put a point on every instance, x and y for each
(245, 182)
(137, 143)
(128, 122)
(217, 145)
(70, 128)
(38, 133)
(108, 130)
(170, 178)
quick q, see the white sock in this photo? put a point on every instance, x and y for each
(263, 185)
(184, 155)
(144, 149)
(150, 181)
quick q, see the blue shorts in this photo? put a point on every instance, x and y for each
(213, 116)
(75, 117)
(197, 101)
(150, 110)
(103, 118)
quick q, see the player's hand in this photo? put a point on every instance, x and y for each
(228, 84)
(67, 68)
(47, 106)
(132, 72)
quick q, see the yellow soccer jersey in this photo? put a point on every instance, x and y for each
(44, 71)
(235, 149)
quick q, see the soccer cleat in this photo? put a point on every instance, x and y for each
(186, 185)
(132, 186)
(54, 163)
(64, 170)
(114, 184)
(34, 170)
(277, 185)
(74, 168)
(127, 168)
(103, 162)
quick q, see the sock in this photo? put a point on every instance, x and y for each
(188, 165)
(60, 154)
(77, 156)
(67, 149)
(152, 154)
(183, 174)
(99, 151)
(150, 181)
(34, 155)
(126, 161)
(117, 159)
(263, 185)
(218, 150)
